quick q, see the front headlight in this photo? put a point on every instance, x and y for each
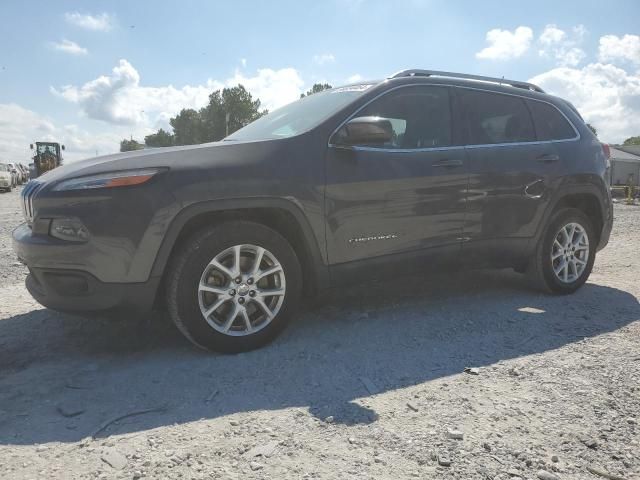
(123, 178)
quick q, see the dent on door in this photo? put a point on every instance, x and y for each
(508, 188)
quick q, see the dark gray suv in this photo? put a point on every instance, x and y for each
(404, 175)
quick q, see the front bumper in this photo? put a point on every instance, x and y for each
(62, 288)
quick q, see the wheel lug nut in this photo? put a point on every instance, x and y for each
(238, 280)
(241, 300)
(232, 292)
(250, 281)
(252, 293)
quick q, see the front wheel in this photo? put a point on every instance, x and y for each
(233, 287)
(564, 258)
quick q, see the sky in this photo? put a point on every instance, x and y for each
(90, 73)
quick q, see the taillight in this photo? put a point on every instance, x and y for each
(606, 150)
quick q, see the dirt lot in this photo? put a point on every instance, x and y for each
(369, 385)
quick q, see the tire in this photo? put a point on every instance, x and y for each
(542, 268)
(193, 266)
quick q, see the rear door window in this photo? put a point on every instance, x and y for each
(493, 118)
(550, 123)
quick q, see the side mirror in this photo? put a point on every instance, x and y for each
(62, 147)
(31, 146)
(364, 131)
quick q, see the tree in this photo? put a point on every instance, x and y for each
(129, 145)
(229, 110)
(160, 139)
(187, 127)
(317, 87)
(593, 129)
(632, 141)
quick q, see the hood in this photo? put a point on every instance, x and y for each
(153, 157)
(5, 174)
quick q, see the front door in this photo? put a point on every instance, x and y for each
(406, 195)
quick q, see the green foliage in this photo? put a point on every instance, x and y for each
(228, 110)
(160, 139)
(632, 141)
(187, 127)
(317, 87)
(129, 145)
(593, 129)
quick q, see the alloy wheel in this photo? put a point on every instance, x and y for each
(570, 252)
(241, 290)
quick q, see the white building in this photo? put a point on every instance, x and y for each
(625, 161)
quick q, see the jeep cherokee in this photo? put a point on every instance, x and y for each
(407, 174)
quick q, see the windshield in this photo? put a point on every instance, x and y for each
(299, 116)
(3, 167)
(47, 149)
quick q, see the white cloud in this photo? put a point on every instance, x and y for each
(243, 62)
(131, 109)
(67, 46)
(19, 127)
(102, 22)
(614, 48)
(607, 96)
(552, 35)
(355, 78)
(82, 144)
(274, 88)
(324, 58)
(120, 99)
(504, 44)
(562, 46)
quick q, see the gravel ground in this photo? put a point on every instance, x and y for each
(370, 384)
(11, 271)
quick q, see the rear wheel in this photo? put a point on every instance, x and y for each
(233, 287)
(564, 258)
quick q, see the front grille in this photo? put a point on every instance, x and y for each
(28, 193)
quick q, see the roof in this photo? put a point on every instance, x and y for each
(494, 84)
(466, 76)
(617, 154)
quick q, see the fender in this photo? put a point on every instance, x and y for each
(317, 252)
(567, 189)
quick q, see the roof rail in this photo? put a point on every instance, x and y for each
(436, 73)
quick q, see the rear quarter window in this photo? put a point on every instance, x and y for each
(549, 122)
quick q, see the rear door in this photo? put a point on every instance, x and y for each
(511, 173)
(404, 196)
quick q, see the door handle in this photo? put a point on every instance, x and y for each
(448, 163)
(548, 158)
